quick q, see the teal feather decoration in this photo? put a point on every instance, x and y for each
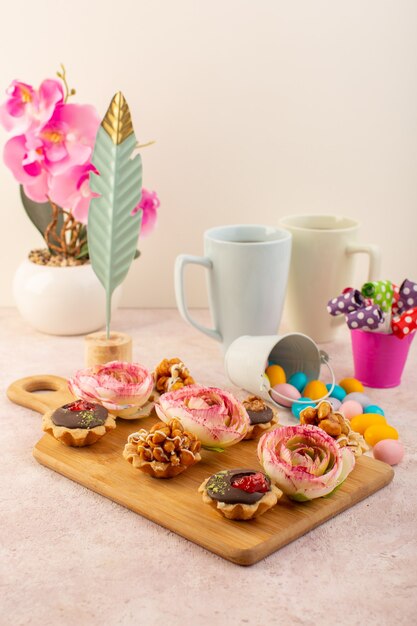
(112, 229)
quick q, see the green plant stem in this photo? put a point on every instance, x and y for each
(63, 76)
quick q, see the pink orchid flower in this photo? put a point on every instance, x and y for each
(38, 188)
(66, 140)
(71, 190)
(26, 108)
(39, 159)
(214, 416)
(68, 137)
(15, 156)
(25, 169)
(149, 203)
(51, 146)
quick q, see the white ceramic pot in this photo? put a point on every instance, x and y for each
(61, 300)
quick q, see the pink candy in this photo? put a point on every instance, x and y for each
(350, 408)
(286, 390)
(389, 451)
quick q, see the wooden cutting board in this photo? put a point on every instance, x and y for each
(174, 503)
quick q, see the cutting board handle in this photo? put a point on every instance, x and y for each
(22, 392)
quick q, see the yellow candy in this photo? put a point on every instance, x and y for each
(378, 432)
(360, 423)
(351, 384)
(315, 389)
(276, 375)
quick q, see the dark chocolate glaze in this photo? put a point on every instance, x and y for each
(260, 417)
(79, 419)
(219, 487)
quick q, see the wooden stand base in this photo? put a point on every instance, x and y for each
(99, 349)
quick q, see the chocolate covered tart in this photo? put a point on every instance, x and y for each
(261, 416)
(78, 423)
(240, 494)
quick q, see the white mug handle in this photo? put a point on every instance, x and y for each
(374, 254)
(181, 261)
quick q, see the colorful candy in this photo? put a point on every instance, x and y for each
(350, 408)
(374, 408)
(315, 390)
(389, 451)
(360, 423)
(359, 397)
(297, 406)
(276, 375)
(337, 392)
(336, 404)
(378, 432)
(298, 380)
(286, 390)
(348, 397)
(351, 384)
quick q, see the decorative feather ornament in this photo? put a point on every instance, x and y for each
(112, 229)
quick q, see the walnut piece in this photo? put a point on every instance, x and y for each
(322, 416)
(172, 374)
(334, 424)
(254, 403)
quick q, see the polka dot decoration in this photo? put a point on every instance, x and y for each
(404, 324)
(368, 309)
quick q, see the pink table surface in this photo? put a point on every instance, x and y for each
(70, 556)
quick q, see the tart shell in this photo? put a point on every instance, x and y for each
(155, 469)
(242, 511)
(77, 437)
(258, 429)
(255, 430)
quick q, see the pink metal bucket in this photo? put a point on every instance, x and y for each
(379, 359)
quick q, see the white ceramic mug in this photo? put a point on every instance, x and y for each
(247, 277)
(322, 265)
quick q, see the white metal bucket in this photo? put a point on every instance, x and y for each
(248, 356)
